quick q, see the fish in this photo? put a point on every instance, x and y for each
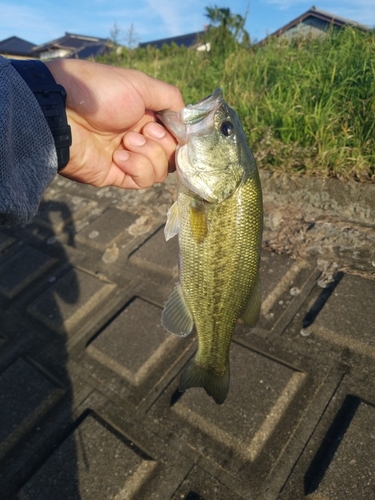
(218, 216)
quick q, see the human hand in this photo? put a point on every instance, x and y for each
(111, 111)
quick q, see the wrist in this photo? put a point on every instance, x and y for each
(51, 98)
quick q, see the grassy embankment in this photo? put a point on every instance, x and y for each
(306, 107)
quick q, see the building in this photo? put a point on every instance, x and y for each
(16, 48)
(313, 23)
(73, 46)
(188, 40)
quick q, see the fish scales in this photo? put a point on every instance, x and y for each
(222, 268)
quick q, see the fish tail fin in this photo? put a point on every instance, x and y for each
(215, 385)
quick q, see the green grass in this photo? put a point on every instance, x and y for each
(307, 107)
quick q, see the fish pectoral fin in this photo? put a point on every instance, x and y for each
(172, 226)
(176, 317)
(198, 220)
(252, 309)
(215, 385)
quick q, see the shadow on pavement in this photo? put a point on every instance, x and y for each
(44, 443)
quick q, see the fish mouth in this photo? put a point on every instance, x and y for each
(172, 122)
(177, 122)
(195, 113)
(217, 93)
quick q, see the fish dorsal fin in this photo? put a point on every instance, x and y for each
(252, 309)
(198, 220)
(176, 317)
(172, 226)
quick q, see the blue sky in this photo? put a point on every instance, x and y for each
(40, 21)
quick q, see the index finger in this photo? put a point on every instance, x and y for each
(158, 95)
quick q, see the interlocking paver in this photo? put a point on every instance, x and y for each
(106, 229)
(18, 270)
(157, 257)
(199, 485)
(67, 303)
(346, 453)
(57, 212)
(25, 396)
(90, 406)
(337, 461)
(341, 321)
(106, 466)
(138, 365)
(5, 241)
(115, 346)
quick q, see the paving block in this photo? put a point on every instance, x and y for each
(170, 460)
(344, 464)
(26, 394)
(5, 241)
(104, 464)
(237, 434)
(261, 390)
(107, 228)
(297, 422)
(157, 255)
(282, 283)
(339, 319)
(134, 343)
(18, 270)
(70, 301)
(134, 352)
(59, 211)
(337, 462)
(199, 485)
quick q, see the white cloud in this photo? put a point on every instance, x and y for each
(22, 21)
(285, 4)
(178, 18)
(170, 14)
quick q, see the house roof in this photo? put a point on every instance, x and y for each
(89, 51)
(80, 46)
(187, 40)
(331, 19)
(321, 15)
(16, 46)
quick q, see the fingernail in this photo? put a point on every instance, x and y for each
(122, 155)
(155, 130)
(135, 139)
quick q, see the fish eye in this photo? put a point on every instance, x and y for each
(226, 128)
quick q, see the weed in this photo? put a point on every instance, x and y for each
(307, 106)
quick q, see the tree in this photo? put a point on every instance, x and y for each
(132, 37)
(227, 25)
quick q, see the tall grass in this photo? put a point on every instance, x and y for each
(307, 106)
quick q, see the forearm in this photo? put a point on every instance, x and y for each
(28, 161)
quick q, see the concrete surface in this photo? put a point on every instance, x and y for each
(89, 406)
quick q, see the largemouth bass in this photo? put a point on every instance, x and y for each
(218, 218)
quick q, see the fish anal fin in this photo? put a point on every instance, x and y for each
(172, 226)
(198, 220)
(176, 317)
(215, 385)
(252, 310)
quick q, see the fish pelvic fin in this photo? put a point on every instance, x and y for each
(252, 309)
(215, 385)
(176, 317)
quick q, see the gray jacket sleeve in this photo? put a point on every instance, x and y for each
(28, 160)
